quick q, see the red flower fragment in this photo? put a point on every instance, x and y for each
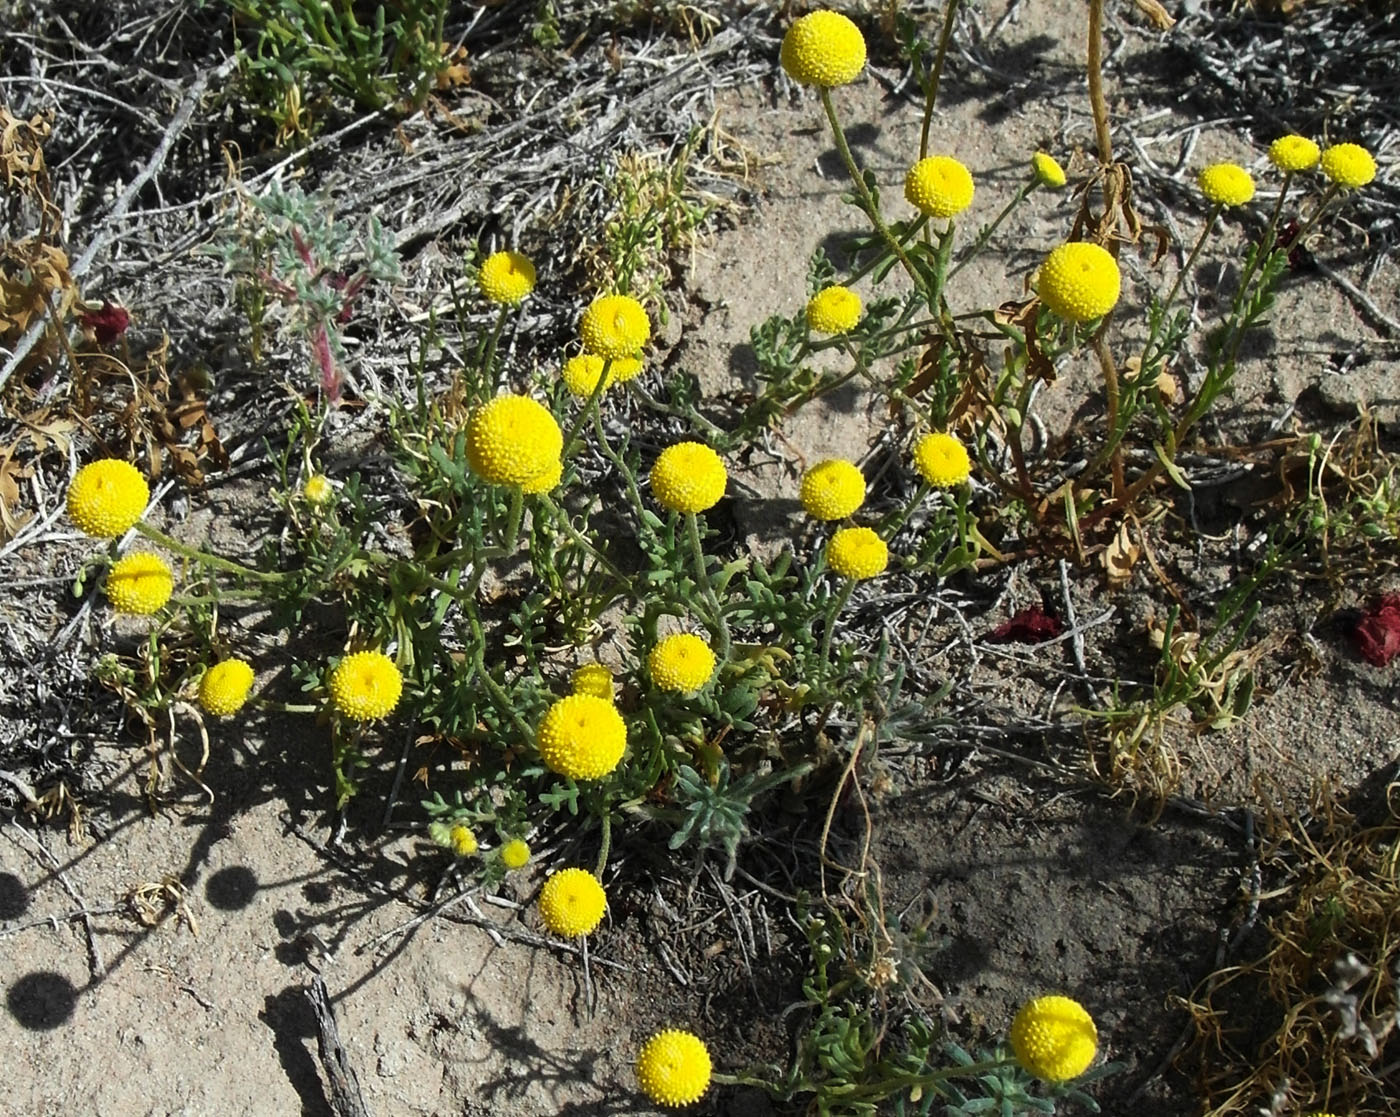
(1029, 626)
(107, 323)
(1377, 633)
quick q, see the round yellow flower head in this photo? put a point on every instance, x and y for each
(107, 497)
(546, 481)
(515, 854)
(1079, 281)
(823, 48)
(835, 310)
(318, 490)
(580, 374)
(365, 686)
(688, 477)
(942, 460)
(1294, 153)
(682, 663)
(139, 583)
(463, 840)
(857, 552)
(225, 686)
(1047, 171)
(673, 1068)
(506, 277)
(1225, 184)
(939, 186)
(594, 679)
(614, 326)
(513, 440)
(1348, 165)
(1054, 1038)
(832, 490)
(582, 737)
(572, 903)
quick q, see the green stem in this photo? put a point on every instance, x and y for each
(872, 211)
(891, 529)
(497, 692)
(702, 576)
(986, 234)
(936, 76)
(588, 411)
(489, 372)
(563, 521)
(1191, 259)
(517, 506)
(838, 604)
(155, 535)
(606, 847)
(647, 400)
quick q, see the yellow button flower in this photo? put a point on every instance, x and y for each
(688, 477)
(1226, 184)
(515, 854)
(614, 326)
(582, 737)
(939, 186)
(1348, 165)
(107, 497)
(225, 686)
(513, 440)
(462, 840)
(823, 48)
(832, 490)
(546, 481)
(1047, 171)
(580, 374)
(856, 553)
(365, 686)
(1079, 281)
(506, 277)
(1294, 153)
(835, 310)
(594, 679)
(942, 460)
(318, 490)
(683, 663)
(673, 1068)
(572, 903)
(1054, 1038)
(139, 583)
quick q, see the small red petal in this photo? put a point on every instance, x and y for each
(1377, 633)
(107, 323)
(1029, 626)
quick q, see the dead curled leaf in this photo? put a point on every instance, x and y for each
(1119, 558)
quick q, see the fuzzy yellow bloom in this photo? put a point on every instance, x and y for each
(546, 481)
(594, 679)
(225, 686)
(1349, 165)
(1047, 171)
(515, 854)
(582, 737)
(1080, 281)
(614, 326)
(463, 840)
(832, 490)
(856, 553)
(572, 903)
(1054, 1038)
(673, 1068)
(365, 686)
(106, 497)
(835, 310)
(513, 440)
(318, 489)
(939, 186)
(139, 583)
(580, 374)
(683, 663)
(1226, 184)
(1294, 153)
(823, 48)
(942, 460)
(506, 277)
(688, 477)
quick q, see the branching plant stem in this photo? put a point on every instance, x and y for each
(945, 38)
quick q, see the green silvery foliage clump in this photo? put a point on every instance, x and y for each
(287, 248)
